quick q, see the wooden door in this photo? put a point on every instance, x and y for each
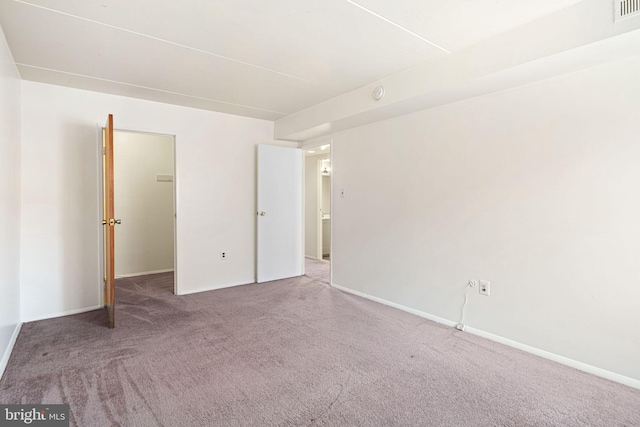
(279, 242)
(108, 221)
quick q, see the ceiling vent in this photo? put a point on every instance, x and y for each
(626, 8)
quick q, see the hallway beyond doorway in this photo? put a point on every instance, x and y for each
(317, 269)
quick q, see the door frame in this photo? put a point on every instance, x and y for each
(176, 203)
(311, 146)
(319, 211)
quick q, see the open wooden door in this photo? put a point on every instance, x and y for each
(108, 221)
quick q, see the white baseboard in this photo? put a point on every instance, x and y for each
(599, 372)
(7, 353)
(594, 370)
(143, 273)
(213, 288)
(63, 313)
(398, 306)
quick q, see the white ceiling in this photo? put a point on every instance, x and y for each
(318, 150)
(257, 58)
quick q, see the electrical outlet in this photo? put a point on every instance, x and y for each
(224, 255)
(485, 288)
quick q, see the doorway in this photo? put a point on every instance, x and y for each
(144, 193)
(318, 210)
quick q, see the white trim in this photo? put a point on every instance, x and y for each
(175, 214)
(99, 227)
(144, 273)
(304, 216)
(319, 210)
(333, 210)
(213, 288)
(64, 313)
(7, 353)
(398, 306)
(590, 369)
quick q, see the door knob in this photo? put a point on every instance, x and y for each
(262, 213)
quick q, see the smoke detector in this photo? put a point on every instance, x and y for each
(378, 93)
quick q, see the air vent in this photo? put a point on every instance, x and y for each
(626, 8)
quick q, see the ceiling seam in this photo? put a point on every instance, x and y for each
(398, 26)
(150, 88)
(165, 41)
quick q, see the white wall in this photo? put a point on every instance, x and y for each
(215, 178)
(311, 208)
(144, 240)
(534, 188)
(10, 88)
(326, 194)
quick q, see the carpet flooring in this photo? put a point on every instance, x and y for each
(294, 352)
(318, 269)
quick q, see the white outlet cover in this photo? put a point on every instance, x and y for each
(484, 288)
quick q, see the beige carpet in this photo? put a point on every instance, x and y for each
(288, 353)
(318, 269)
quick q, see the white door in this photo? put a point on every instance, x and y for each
(279, 242)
